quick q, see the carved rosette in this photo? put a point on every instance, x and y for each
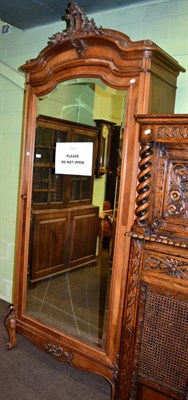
(144, 187)
(128, 331)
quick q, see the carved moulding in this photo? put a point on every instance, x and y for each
(164, 239)
(128, 330)
(168, 128)
(116, 57)
(175, 133)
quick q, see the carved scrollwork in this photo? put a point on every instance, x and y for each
(78, 25)
(172, 132)
(167, 265)
(178, 191)
(144, 186)
(58, 352)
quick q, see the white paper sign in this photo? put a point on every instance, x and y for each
(72, 158)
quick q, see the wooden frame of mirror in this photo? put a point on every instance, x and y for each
(149, 76)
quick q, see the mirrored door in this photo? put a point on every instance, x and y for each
(76, 176)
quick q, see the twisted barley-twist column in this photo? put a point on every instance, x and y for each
(144, 186)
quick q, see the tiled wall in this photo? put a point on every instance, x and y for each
(164, 22)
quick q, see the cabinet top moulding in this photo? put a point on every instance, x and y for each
(82, 43)
(170, 119)
(170, 128)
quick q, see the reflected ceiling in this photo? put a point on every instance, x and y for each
(26, 14)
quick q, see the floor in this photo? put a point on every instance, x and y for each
(27, 373)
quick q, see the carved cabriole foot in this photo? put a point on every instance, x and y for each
(10, 324)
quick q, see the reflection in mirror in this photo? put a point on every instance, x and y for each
(76, 177)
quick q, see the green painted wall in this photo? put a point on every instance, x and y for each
(165, 23)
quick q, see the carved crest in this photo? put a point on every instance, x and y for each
(78, 25)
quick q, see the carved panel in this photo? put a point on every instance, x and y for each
(171, 192)
(160, 357)
(178, 191)
(163, 355)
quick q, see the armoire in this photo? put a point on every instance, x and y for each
(93, 95)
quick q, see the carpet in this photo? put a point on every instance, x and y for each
(27, 373)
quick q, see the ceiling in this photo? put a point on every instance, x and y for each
(26, 14)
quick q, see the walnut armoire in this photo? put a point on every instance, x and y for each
(142, 348)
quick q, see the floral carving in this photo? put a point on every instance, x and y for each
(167, 265)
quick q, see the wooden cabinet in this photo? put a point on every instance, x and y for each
(56, 245)
(56, 190)
(61, 203)
(146, 279)
(154, 357)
